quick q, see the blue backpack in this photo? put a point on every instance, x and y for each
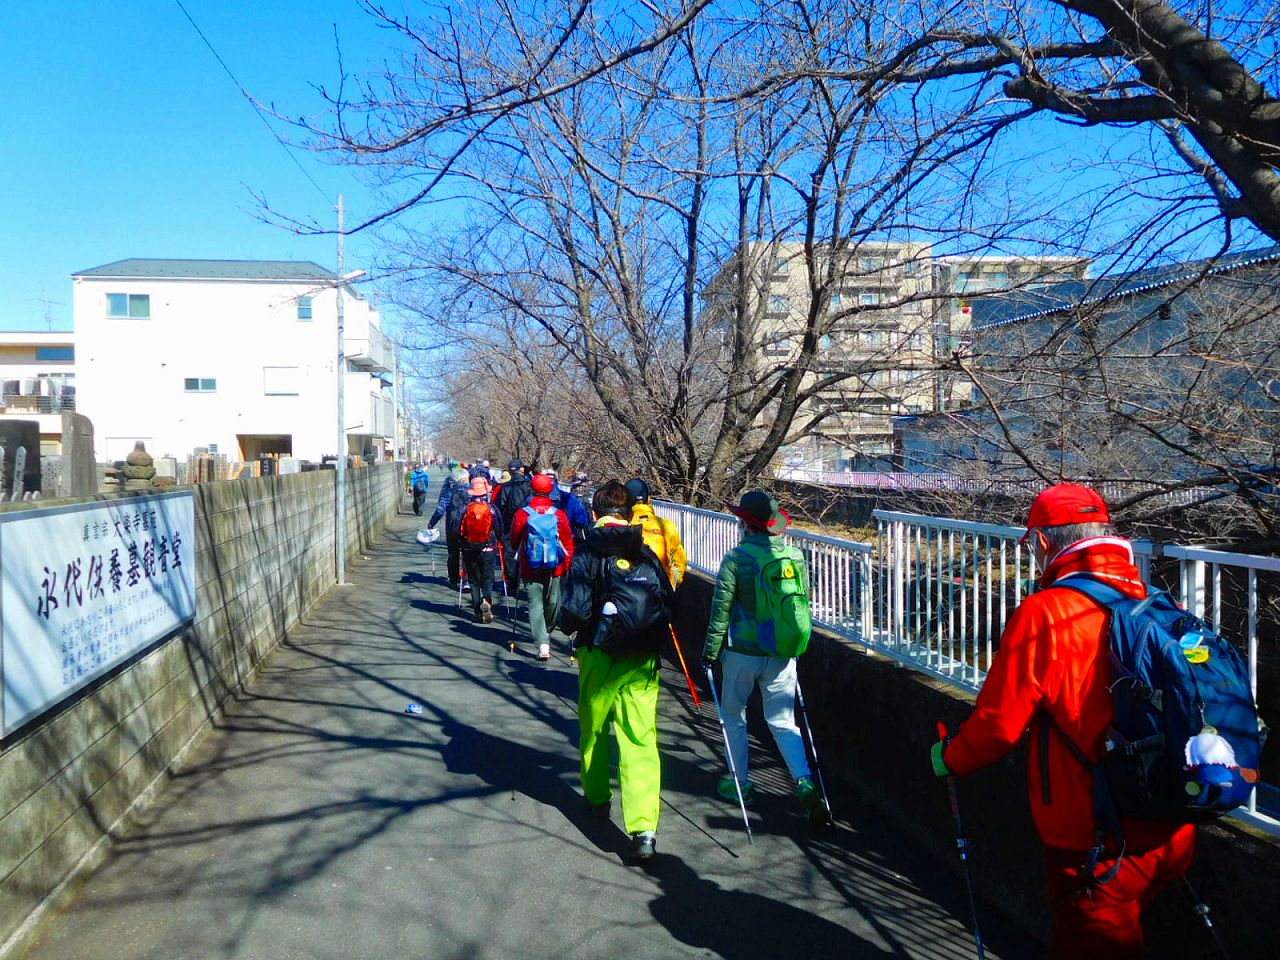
(542, 544)
(1185, 740)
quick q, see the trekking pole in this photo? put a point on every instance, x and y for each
(1202, 911)
(813, 745)
(502, 568)
(687, 679)
(962, 845)
(728, 752)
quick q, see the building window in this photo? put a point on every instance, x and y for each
(280, 381)
(781, 270)
(55, 353)
(304, 308)
(779, 304)
(200, 384)
(872, 264)
(135, 305)
(870, 299)
(915, 341)
(910, 268)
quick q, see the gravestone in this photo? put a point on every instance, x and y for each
(15, 436)
(79, 469)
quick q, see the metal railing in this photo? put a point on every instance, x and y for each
(946, 588)
(934, 593)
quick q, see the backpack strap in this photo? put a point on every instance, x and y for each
(1106, 818)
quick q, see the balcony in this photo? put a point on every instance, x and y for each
(371, 354)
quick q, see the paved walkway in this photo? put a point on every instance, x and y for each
(320, 821)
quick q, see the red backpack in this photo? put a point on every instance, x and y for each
(477, 522)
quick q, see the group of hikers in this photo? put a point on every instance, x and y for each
(608, 579)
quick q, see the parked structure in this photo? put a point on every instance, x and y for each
(233, 357)
(1161, 380)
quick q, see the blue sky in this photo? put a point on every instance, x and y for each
(123, 137)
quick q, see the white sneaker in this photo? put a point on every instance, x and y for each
(544, 651)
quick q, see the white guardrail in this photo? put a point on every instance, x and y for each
(934, 593)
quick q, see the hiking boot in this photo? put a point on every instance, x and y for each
(726, 791)
(544, 651)
(643, 846)
(807, 792)
(811, 799)
(486, 611)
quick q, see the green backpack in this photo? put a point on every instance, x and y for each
(782, 601)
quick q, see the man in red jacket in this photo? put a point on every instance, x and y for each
(542, 581)
(1052, 671)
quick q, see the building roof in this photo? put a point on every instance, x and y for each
(139, 268)
(1016, 306)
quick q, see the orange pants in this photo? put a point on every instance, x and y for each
(1104, 923)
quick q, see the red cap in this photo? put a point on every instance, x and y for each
(1063, 504)
(541, 483)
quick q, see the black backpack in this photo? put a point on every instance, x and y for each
(640, 591)
(576, 593)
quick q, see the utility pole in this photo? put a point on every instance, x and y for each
(340, 482)
(395, 402)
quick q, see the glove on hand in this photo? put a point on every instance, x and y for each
(939, 765)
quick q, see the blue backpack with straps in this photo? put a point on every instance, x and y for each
(1185, 739)
(542, 546)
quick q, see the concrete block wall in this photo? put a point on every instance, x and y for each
(874, 722)
(70, 781)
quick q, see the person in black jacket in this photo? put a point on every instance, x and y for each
(512, 498)
(624, 604)
(453, 500)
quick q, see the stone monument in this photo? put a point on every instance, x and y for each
(79, 470)
(139, 468)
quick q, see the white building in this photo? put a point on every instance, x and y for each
(233, 356)
(37, 381)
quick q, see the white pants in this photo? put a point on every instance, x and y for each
(776, 678)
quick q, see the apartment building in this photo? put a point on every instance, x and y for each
(233, 357)
(889, 312)
(876, 335)
(37, 381)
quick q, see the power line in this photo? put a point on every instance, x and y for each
(256, 109)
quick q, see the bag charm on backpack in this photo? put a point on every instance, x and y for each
(1185, 740)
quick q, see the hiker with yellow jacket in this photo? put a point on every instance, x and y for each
(660, 534)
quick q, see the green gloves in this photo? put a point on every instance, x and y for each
(939, 765)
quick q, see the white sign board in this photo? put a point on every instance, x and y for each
(83, 588)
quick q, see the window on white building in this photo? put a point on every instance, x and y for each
(200, 384)
(135, 305)
(870, 299)
(280, 381)
(304, 308)
(779, 303)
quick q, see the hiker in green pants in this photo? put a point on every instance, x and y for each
(627, 688)
(619, 599)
